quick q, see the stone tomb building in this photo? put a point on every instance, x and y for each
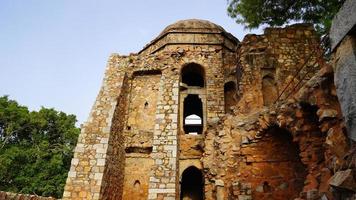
(197, 114)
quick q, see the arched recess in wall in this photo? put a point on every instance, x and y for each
(192, 184)
(230, 95)
(193, 75)
(279, 172)
(269, 90)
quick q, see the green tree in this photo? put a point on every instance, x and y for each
(254, 13)
(35, 149)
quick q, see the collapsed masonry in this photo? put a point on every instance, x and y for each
(197, 114)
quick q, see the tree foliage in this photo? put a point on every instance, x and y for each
(35, 149)
(254, 13)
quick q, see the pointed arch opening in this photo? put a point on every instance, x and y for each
(192, 184)
(193, 115)
(193, 75)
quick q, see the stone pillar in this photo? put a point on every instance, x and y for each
(163, 183)
(85, 177)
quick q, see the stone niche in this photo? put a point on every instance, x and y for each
(143, 97)
(137, 168)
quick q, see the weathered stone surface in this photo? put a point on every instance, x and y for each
(342, 23)
(345, 81)
(344, 180)
(271, 122)
(326, 113)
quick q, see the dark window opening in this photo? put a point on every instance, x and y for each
(192, 184)
(193, 75)
(230, 96)
(309, 112)
(137, 184)
(193, 115)
(145, 150)
(147, 72)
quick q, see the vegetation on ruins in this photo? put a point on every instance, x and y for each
(254, 13)
(35, 149)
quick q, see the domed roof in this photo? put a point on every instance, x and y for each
(191, 24)
(172, 35)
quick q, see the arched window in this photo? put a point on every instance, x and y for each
(193, 75)
(193, 115)
(192, 184)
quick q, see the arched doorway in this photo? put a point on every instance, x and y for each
(193, 114)
(192, 184)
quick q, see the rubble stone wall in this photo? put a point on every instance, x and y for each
(237, 155)
(278, 54)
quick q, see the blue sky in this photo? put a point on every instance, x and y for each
(53, 53)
